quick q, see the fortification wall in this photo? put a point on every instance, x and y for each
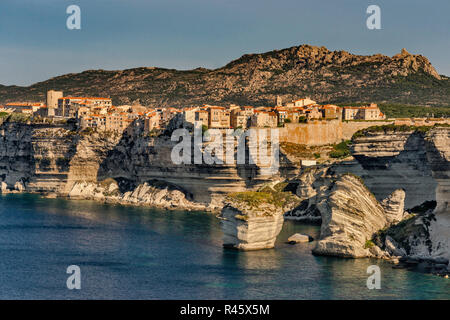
(323, 132)
(350, 127)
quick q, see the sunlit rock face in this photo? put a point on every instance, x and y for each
(152, 193)
(250, 229)
(350, 217)
(53, 159)
(394, 206)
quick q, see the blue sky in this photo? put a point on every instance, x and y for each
(116, 34)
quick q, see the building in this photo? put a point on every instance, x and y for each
(240, 118)
(94, 121)
(52, 101)
(168, 114)
(264, 119)
(282, 114)
(68, 106)
(202, 116)
(313, 113)
(303, 102)
(371, 112)
(20, 106)
(219, 117)
(189, 117)
(152, 121)
(330, 111)
(117, 121)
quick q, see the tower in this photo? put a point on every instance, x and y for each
(279, 101)
(52, 101)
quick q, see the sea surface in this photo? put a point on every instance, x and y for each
(127, 252)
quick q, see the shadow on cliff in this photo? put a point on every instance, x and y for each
(133, 161)
(33, 159)
(414, 156)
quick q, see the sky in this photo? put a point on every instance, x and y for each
(35, 43)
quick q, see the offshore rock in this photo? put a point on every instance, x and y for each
(250, 228)
(298, 238)
(350, 217)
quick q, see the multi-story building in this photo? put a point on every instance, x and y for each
(202, 116)
(117, 121)
(240, 118)
(303, 102)
(93, 121)
(371, 112)
(264, 119)
(219, 117)
(151, 121)
(313, 113)
(68, 106)
(282, 114)
(189, 116)
(330, 111)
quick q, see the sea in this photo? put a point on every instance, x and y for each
(129, 252)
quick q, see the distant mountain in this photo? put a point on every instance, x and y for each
(256, 79)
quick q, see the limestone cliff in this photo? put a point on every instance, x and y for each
(152, 193)
(247, 228)
(53, 159)
(252, 220)
(350, 217)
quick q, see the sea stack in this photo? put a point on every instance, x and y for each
(251, 222)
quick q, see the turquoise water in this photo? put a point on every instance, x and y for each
(140, 253)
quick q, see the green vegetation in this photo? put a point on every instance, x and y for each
(369, 244)
(395, 128)
(302, 119)
(267, 195)
(341, 150)
(316, 155)
(18, 117)
(298, 150)
(4, 114)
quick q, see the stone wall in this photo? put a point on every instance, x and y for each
(323, 132)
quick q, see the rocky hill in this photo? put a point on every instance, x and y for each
(324, 75)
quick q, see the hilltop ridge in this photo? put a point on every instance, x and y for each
(256, 79)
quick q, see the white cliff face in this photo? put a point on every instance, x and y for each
(51, 159)
(393, 160)
(244, 230)
(162, 196)
(350, 217)
(438, 141)
(394, 206)
(311, 185)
